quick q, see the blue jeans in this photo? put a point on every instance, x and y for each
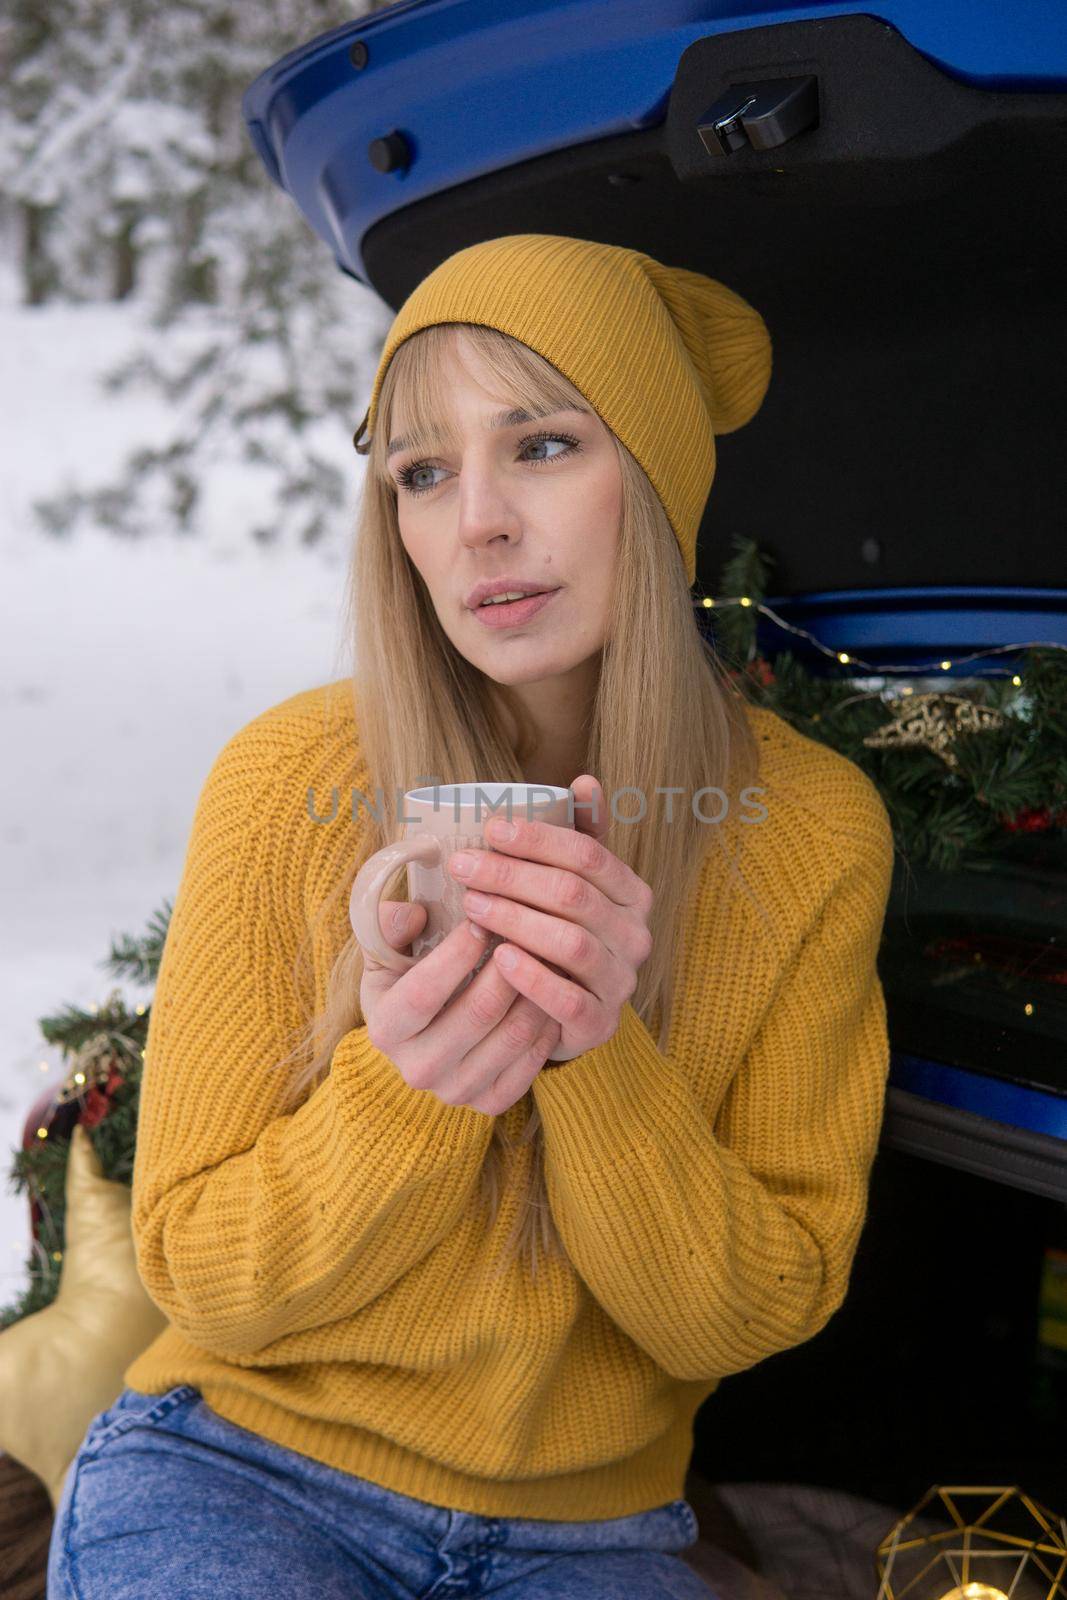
(166, 1498)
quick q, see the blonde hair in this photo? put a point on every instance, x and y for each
(664, 705)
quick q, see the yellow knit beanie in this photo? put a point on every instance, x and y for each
(668, 358)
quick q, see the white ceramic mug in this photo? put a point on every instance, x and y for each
(437, 822)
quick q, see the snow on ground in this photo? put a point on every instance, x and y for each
(125, 668)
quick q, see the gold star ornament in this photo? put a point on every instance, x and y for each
(933, 721)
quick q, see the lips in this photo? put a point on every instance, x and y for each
(511, 612)
(505, 584)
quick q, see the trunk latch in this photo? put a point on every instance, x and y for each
(760, 115)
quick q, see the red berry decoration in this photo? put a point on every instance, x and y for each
(98, 1100)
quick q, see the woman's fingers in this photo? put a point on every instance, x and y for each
(481, 1047)
(407, 1002)
(501, 1092)
(400, 921)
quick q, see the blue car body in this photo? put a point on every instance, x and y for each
(480, 85)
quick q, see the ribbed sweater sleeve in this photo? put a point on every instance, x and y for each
(252, 1223)
(717, 1242)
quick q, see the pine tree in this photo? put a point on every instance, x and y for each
(127, 162)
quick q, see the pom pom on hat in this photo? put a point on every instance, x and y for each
(725, 338)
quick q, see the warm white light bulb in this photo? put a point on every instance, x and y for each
(975, 1591)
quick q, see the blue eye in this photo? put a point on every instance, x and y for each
(405, 477)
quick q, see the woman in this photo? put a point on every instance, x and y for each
(440, 1311)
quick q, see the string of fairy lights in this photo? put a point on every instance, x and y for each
(945, 664)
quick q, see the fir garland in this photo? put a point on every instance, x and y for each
(1006, 776)
(104, 1050)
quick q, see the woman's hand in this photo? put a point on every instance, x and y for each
(562, 894)
(483, 1049)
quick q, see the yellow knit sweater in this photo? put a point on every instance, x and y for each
(327, 1273)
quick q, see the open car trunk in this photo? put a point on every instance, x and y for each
(890, 196)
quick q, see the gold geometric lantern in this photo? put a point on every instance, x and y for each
(1008, 1548)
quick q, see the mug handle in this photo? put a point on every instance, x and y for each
(364, 902)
